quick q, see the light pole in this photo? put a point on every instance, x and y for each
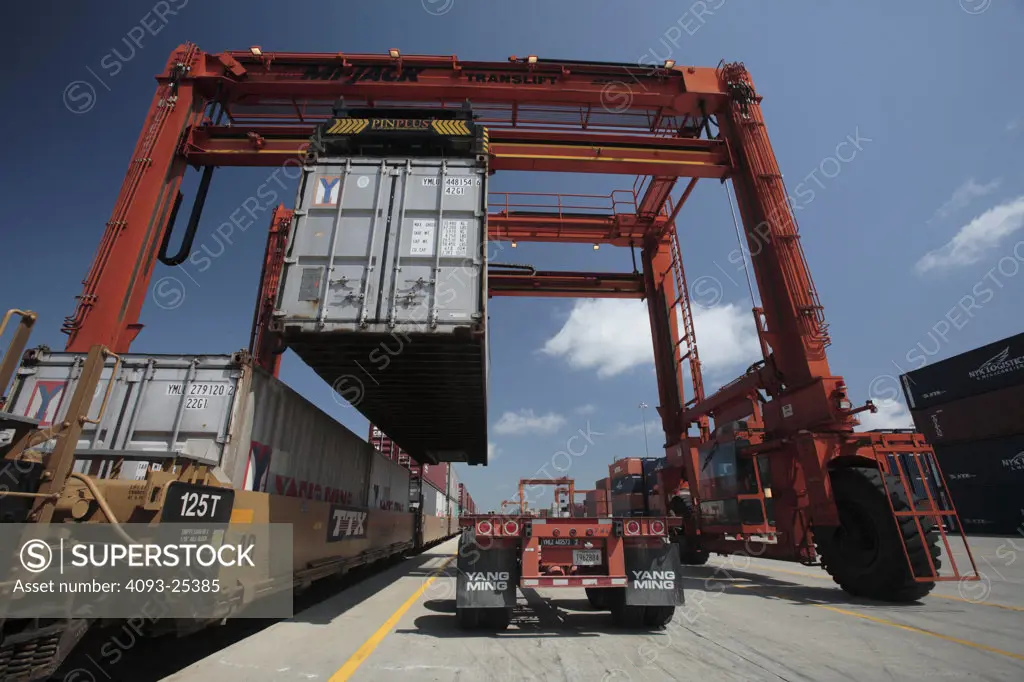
(643, 415)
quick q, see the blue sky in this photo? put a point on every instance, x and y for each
(926, 209)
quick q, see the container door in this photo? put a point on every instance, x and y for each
(433, 275)
(332, 275)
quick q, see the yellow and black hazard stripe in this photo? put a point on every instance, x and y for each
(450, 128)
(347, 126)
(485, 137)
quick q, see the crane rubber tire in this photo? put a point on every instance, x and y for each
(865, 555)
(598, 597)
(682, 506)
(691, 557)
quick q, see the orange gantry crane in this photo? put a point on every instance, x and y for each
(782, 475)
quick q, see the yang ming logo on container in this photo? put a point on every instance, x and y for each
(1002, 363)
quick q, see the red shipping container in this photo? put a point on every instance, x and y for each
(627, 466)
(604, 484)
(995, 414)
(437, 476)
(632, 502)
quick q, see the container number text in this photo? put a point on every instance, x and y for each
(202, 389)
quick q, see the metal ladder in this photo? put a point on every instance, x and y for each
(689, 337)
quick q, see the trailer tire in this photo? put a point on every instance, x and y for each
(658, 616)
(624, 615)
(598, 597)
(469, 619)
(864, 555)
(496, 619)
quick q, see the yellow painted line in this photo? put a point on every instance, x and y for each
(981, 603)
(356, 660)
(827, 577)
(911, 628)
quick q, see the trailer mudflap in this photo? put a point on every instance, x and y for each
(654, 575)
(488, 575)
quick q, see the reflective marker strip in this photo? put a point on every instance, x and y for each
(573, 582)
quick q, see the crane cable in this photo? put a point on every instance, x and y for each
(739, 242)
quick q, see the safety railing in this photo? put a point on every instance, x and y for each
(619, 201)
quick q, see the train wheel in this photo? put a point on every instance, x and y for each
(469, 619)
(658, 616)
(864, 555)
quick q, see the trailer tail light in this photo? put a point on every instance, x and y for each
(484, 528)
(657, 528)
(632, 528)
(511, 528)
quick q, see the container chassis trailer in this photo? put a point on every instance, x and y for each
(628, 566)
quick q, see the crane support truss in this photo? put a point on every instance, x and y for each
(256, 108)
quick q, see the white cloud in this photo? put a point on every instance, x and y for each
(526, 422)
(653, 426)
(614, 336)
(586, 409)
(976, 238)
(963, 196)
(726, 337)
(892, 414)
(493, 452)
(609, 335)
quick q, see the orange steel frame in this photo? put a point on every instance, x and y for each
(258, 108)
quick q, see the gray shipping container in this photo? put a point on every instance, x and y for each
(389, 485)
(215, 409)
(435, 503)
(384, 293)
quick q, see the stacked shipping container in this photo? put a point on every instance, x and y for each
(438, 485)
(598, 501)
(971, 409)
(634, 486)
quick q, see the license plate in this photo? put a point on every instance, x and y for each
(586, 557)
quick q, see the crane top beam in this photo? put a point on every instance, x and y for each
(259, 85)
